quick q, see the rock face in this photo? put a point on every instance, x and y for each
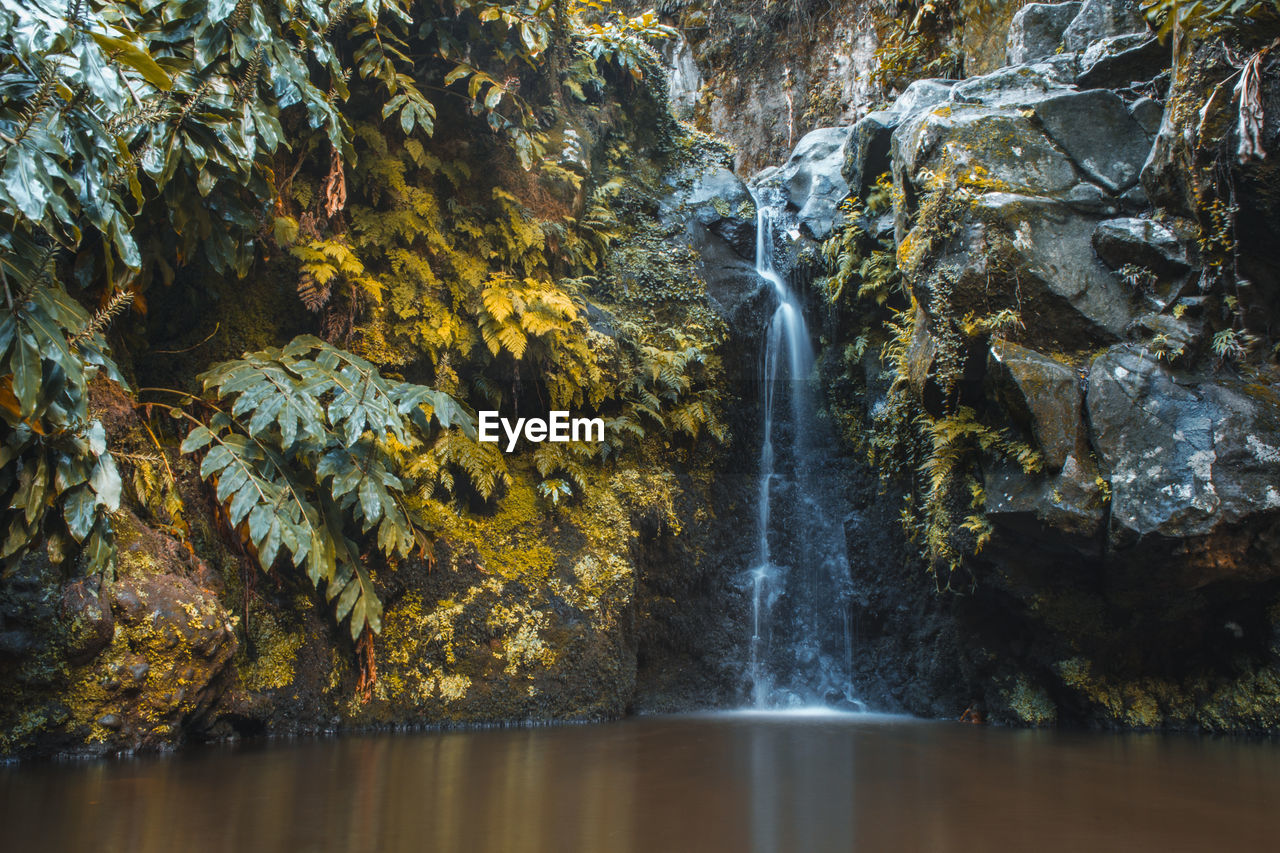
(1149, 517)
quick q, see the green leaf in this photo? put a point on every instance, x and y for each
(79, 508)
(136, 58)
(25, 364)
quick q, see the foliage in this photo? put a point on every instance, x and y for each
(299, 450)
(916, 41)
(54, 454)
(137, 137)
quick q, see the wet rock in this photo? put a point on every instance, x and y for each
(713, 213)
(1099, 19)
(1143, 242)
(1186, 455)
(1036, 31)
(1119, 61)
(16, 643)
(1101, 137)
(110, 721)
(1046, 392)
(720, 201)
(1063, 511)
(812, 179)
(684, 81)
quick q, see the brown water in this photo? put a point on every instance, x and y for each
(736, 782)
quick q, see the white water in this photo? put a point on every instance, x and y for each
(801, 644)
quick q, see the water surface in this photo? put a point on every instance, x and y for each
(730, 782)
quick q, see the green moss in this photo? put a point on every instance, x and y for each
(1031, 704)
(273, 661)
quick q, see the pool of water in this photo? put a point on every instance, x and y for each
(725, 782)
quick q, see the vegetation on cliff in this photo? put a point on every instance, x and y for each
(318, 236)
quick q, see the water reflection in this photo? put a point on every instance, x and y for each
(730, 783)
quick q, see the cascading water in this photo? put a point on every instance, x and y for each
(801, 644)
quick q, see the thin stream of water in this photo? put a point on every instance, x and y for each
(801, 645)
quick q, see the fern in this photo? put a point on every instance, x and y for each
(301, 449)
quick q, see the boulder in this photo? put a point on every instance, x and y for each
(1186, 456)
(1061, 512)
(1068, 296)
(1118, 61)
(1148, 113)
(1036, 31)
(714, 215)
(1045, 392)
(1019, 86)
(720, 201)
(1097, 131)
(866, 151)
(1099, 19)
(812, 179)
(1142, 242)
(982, 148)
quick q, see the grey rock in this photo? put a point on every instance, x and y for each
(866, 152)
(1036, 31)
(88, 619)
(812, 179)
(1140, 241)
(1069, 503)
(722, 203)
(1098, 133)
(1069, 296)
(1177, 334)
(1135, 198)
(1061, 68)
(138, 671)
(1099, 19)
(110, 721)
(1118, 61)
(1185, 455)
(1085, 197)
(1163, 174)
(921, 95)
(1021, 85)
(983, 148)
(1045, 392)
(713, 214)
(1148, 113)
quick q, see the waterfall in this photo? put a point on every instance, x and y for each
(801, 646)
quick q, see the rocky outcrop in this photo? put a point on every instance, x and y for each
(1059, 305)
(103, 666)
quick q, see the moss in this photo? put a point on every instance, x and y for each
(1248, 702)
(272, 663)
(1031, 704)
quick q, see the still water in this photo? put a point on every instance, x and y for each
(728, 782)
